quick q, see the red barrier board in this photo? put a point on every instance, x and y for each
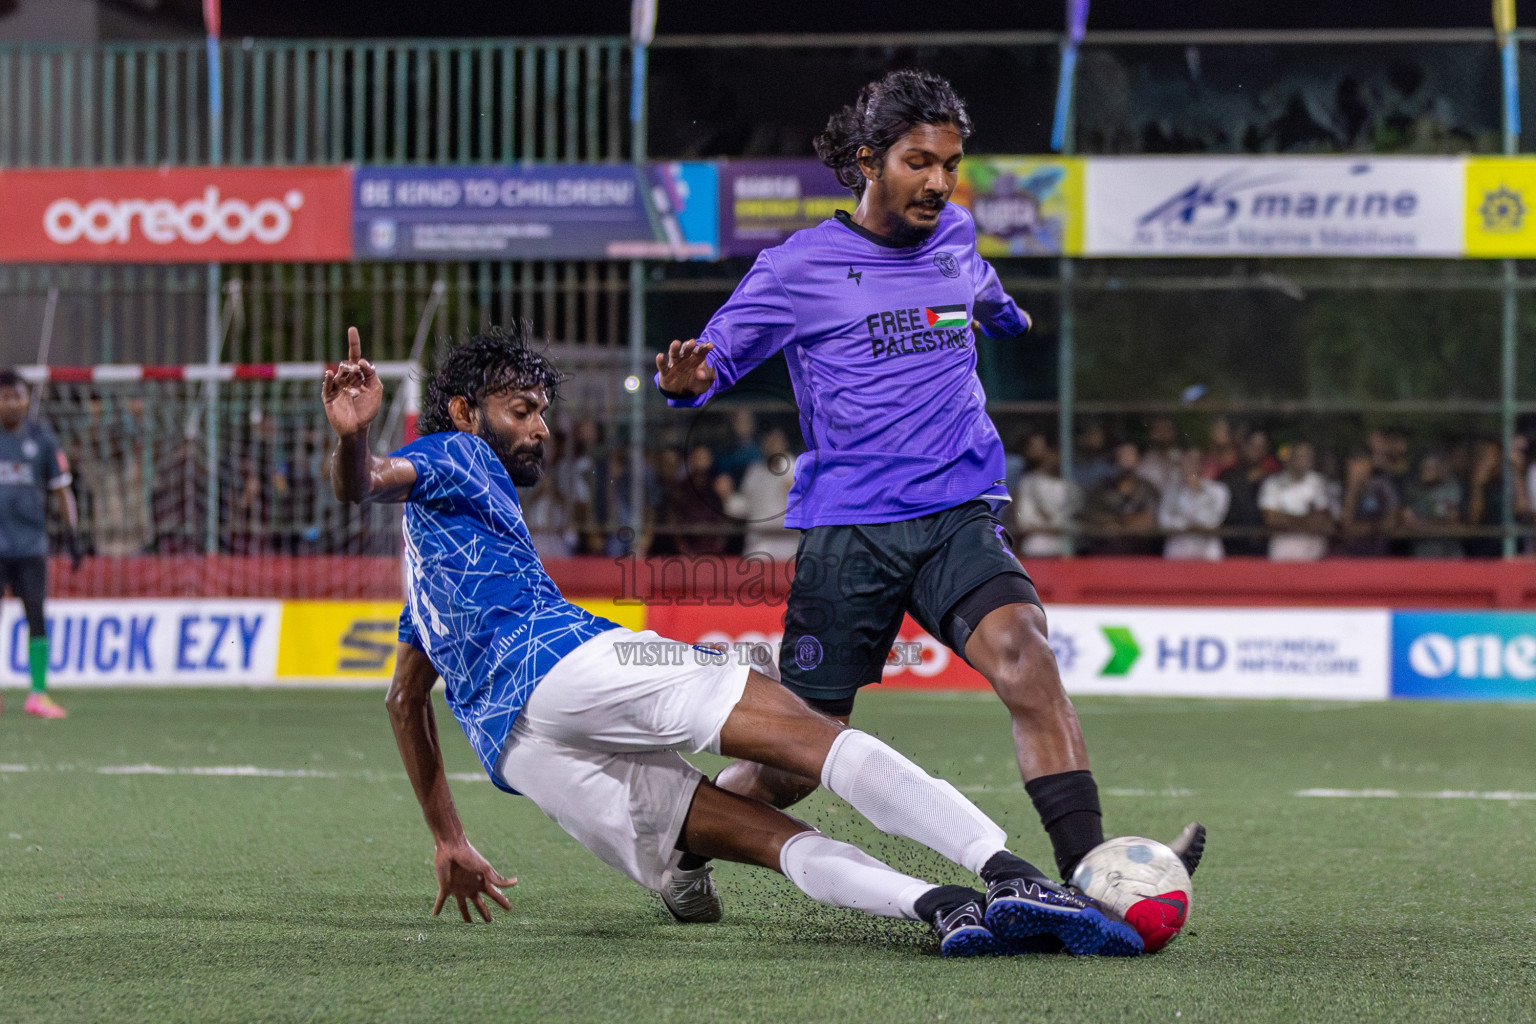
(918, 661)
(176, 215)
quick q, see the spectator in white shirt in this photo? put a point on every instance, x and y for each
(1160, 462)
(1193, 503)
(1296, 507)
(1043, 502)
(763, 497)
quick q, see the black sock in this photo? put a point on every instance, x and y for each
(941, 899)
(691, 862)
(1003, 864)
(1068, 804)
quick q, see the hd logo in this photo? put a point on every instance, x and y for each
(903, 332)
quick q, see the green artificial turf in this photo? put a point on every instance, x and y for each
(184, 897)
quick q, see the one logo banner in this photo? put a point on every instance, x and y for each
(1464, 655)
(1276, 206)
(1331, 653)
(1023, 206)
(1501, 206)
(763, 202)
(554, 211)
(176, 215)
(102, 642)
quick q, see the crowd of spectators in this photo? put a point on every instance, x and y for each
(1237, 494)
(724, 491)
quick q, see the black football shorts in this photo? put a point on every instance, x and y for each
(853, 583)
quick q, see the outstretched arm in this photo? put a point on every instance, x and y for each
(352, 394)
(461, 872)
(756, 322)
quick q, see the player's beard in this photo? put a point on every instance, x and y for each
(907, 236)
(524, 463)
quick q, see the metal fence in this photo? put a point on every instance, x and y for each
(1116, 341)
(400, 102)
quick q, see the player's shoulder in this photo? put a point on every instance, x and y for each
(451, 455)
(444, 442)
(39, 431)
(957, 224)
(808, 243)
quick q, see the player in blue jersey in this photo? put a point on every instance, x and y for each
(587, 718)
(32, 469)
(898, 493)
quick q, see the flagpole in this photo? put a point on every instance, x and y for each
(211, 21)
(642, 30)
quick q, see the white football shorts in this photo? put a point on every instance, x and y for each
(596, 746)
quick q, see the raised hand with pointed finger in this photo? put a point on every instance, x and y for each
(352, 392)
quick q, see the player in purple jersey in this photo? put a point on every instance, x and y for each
(898, 492)
(577, 714)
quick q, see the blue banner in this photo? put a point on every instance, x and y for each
(1464, 655)
(540, 212)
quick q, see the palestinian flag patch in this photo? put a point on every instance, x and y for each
(947, 316)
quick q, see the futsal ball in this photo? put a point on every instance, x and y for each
(1141, 880)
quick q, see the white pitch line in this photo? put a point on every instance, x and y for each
(247, 771)
(244, 771)
(1392, 794)
(240, 771)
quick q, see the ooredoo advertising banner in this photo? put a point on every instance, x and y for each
(104, 642)
(176, 215)
(1275, 206)
(554, 211)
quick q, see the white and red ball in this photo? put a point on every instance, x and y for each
(1143, 881)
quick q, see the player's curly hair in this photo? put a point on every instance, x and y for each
(885, 111)
(488, 363)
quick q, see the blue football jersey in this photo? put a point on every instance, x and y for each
(478, 602)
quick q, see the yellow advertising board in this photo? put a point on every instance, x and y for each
(355, 640)
(1024, 205)
(1501, 206)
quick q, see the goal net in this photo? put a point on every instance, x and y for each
(199, 482)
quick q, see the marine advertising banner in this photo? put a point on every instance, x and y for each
(106, 642)
(1023, 206)
(1322, 653)
(1275, 206)
(175, 214)
(763, 202)
(1464, 655)
(538, 212)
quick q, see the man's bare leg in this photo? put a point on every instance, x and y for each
(773, 727)
(732, 827)
(1009, 647)
(780, 788)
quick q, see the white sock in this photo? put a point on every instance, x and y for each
(901, 799)
(845, 876)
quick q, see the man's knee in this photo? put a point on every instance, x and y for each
(770, 785)
(1018, 656)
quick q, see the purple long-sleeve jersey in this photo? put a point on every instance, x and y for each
(883, 362)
